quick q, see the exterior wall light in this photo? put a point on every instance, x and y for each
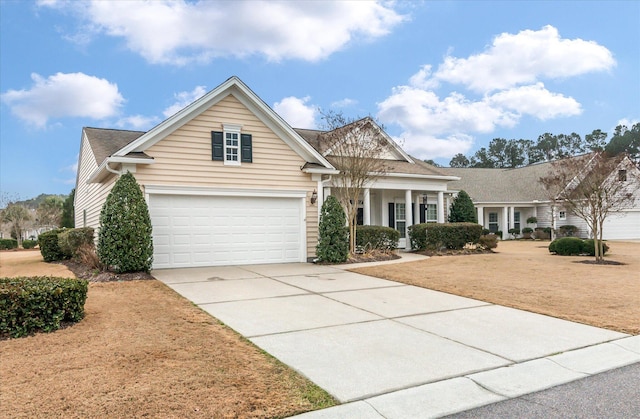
(314, 197)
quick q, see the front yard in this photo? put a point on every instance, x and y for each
(143, 351)
(524, 275)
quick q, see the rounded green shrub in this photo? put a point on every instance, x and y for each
(32, 304)
(567, 246)
(69, 241)
(49, 247)
(29, 244)
(452, 235)
(333, 235)
(589, 247)
(124, 239)
(418, 236)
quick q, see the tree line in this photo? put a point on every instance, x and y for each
(503, 153)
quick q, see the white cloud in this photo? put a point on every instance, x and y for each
(344, 103)
(183, 99)
(64, 95)
(536, 101)
(137, 122)
(522, 58)
(180, 32)
(296, 112)
(497, 88)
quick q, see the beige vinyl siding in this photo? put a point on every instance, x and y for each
(184, 159)
(90, 197)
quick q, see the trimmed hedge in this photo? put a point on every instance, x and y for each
(32, 304)
(377, 237)
(574, 246)
(49, 247)
(6, 244)
(69, 241)
(449, 235)
(29, 244)
(418, 236)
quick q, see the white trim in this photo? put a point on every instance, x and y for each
(419, 176)
(104, 167)
(322, 171)
(203, 191)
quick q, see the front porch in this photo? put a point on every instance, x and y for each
(400, 208)
(502, 218)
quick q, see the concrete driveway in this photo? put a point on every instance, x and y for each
(391, 350)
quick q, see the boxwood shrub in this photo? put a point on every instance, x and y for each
(29, 244)
(69, 241)
(32, 304)
(449, 235)
(574, 246)
(418, 236)
(6, 244)
(488, 241)
(49, 247)
(377, 237)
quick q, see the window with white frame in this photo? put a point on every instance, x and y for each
(562, 215)
(432, 213)
(493, 222)
(516, 220)
(231, 145)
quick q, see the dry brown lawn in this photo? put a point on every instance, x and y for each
(142, 351)
(524, 275)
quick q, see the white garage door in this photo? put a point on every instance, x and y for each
(622, 226)
(221, 230)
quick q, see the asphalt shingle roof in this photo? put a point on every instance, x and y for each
(105, 142)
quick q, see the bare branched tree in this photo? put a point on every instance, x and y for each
(356, 148)
(49, 211)
(592, 188)
(17, 216)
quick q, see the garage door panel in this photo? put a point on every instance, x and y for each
(622, 226)
(214, 230)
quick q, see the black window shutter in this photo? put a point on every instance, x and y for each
(422, 214)
(413, 213)
(246, 154)
(392, 215)
(217, 146)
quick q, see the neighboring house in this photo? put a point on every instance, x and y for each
(229, 182)
(506, 198)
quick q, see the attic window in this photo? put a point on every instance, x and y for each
(231, 146)
(622, 175)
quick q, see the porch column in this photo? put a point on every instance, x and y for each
(366, 207)
(408, 217)
(512, 222)
(325, 195)
(481, 216)
(440, 207)
(505, 223)
(320, 200)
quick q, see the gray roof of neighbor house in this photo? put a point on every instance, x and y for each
(501, 185)
(314, 138)
(105, 142)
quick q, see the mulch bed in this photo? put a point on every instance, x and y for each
(604, 262)
(454, 252)
(83, 271)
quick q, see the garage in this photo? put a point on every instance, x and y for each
(624, 225)
(190, 231)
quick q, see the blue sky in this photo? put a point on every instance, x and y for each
(444, 77)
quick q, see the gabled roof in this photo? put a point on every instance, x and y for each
(105, 142)
(406, 165)
(232, 86)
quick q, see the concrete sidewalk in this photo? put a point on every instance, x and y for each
(386, 349)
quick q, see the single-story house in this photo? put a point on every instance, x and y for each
(229, 182)
(506, 198)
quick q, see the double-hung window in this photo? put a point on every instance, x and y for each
(231, 146)
(432, 213)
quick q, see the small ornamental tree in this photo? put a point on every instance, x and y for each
(124, 239)
(333, 240)
(462, 209)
